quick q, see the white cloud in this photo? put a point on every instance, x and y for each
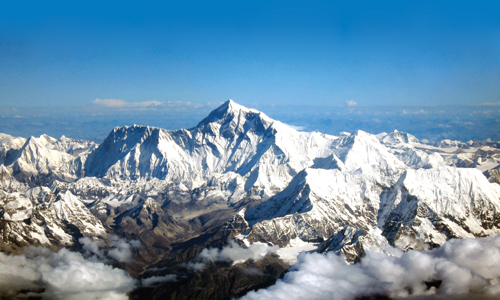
(232, 253)
(91, 247)
(461, 266)
(351, 103)
(60, 275)
(414, 112)
(117, 103)
(123, 249)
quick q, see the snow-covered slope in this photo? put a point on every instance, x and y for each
(436, 204)
(426, 206)
(316, 205)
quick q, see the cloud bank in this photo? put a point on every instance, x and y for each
(43, 273)
(232, 253)
(40, 272)
(460, 267)
(351, 103)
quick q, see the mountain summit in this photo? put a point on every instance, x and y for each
(230, 110)
(243, 144)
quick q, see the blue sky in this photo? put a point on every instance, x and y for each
(79, 68)
(255, 52)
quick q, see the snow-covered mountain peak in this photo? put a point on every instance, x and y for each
(11, 142)
(315, 205)
(34, 142)
(125, 146)
(236, 141)
(44, 158)
(398, 137)
(231, 107)
(231, 111)
(131, 134)
(363, 152)
(41, 141)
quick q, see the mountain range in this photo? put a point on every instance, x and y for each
(240, 176)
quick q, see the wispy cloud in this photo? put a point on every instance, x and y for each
(121, 249)
(351, 103)
(490, 103)
(117, 103)
(414, 112)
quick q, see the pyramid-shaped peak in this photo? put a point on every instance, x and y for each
(32, 141)
(232, 107)
(41, 141)
(229, 109)
(360, 133)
